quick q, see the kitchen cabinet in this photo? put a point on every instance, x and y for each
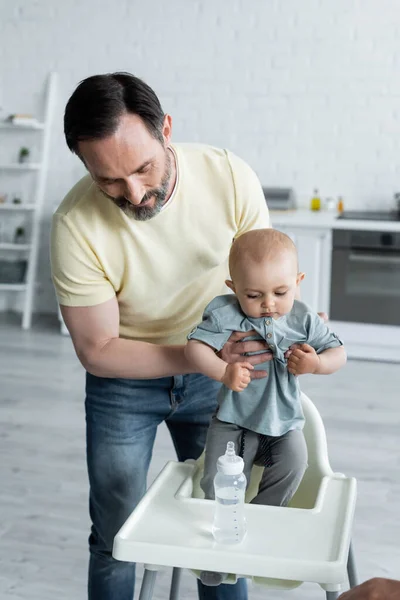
(314, 247)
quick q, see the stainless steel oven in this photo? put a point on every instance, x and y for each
(365, 283)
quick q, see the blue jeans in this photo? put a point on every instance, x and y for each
(122, 416)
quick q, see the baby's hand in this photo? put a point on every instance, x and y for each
(303, 359)
(237, 376)
(291, 349)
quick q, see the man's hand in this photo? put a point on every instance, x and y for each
(237, 376)
(303, 359)
(235, 348)
(374, 589)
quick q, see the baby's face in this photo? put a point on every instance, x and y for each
(268, 289)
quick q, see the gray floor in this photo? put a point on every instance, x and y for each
(43, 488)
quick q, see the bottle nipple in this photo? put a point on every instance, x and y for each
(230, 463)
(230, 449)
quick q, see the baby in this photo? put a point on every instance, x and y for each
(263, 417)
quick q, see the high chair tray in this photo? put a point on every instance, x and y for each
(170, 528)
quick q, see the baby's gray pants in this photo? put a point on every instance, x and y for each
(284, 460)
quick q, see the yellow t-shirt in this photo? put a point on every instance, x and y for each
(164, 271)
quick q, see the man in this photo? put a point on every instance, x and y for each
(374, 589)
(139, 247)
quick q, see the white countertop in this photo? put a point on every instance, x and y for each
(326, 220)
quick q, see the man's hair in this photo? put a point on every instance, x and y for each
(96, 106)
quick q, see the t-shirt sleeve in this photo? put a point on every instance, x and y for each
(250, 205)
(78, 277)
(320, 337)
(209, 331)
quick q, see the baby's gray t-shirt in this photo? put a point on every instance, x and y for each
(271, 405)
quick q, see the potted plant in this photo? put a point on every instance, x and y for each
(23, 155)
(19, 236)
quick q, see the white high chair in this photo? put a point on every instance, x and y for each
(284, 546)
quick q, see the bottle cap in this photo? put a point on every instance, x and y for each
(230, 463)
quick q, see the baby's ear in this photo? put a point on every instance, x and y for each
(230, 285)
(300, 277)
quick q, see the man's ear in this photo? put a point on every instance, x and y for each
(300, 277)
(167, 129)
(230, 285)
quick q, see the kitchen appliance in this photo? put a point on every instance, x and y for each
(370, 215)
(279, 198)
(365, 282)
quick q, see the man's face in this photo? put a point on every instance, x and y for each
(131, 167)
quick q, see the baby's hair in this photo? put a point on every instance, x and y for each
(260, 245)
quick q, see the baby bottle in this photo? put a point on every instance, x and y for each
(229, 525)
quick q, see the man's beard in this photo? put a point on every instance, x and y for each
(144, 213)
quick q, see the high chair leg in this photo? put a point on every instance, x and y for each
(332, 595)
(175, 583)
(351, 567)
(146, 590)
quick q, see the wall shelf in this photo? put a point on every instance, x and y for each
(16, 207)
(17, 247)
(13, 287)
(40, 170)
(20, 167)
(25, 127)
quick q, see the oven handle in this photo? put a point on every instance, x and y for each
(373, 258)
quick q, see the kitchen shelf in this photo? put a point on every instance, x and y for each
(40, 170)
(25, 127)
(17, 207)
(20, 167)
(13, 287)
(11, 246)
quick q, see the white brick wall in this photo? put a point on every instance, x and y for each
(308, 92)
